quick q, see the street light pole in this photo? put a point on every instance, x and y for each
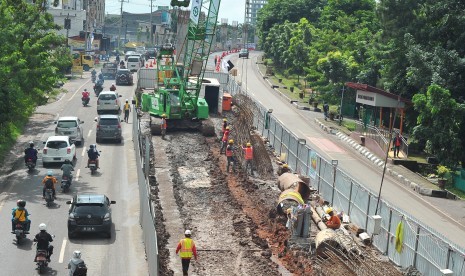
(151, 21)
(340, 107)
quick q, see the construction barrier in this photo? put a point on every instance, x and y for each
(423, 248)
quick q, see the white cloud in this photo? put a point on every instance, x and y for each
(233, 10)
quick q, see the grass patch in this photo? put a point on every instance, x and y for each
(350, 125)
(456, 191)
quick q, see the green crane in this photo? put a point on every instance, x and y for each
(177, 95)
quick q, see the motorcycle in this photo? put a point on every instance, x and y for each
(20, 231)
(30, 163)
(49, 197)
(93, 166)
(85, 101)
(98, 87)
(65, 183)
(41, 260)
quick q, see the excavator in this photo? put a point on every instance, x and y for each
(177, 95)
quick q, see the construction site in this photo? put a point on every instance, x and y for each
(247, 224)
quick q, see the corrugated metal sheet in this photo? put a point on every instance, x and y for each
(147, 78)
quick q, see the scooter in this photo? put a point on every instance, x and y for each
(93, 166)
(20, 231)
(85, 101)
(49, 197)
(30, 164)
(65, 183)
(41, 260)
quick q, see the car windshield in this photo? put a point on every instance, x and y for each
(90, 208)
(124, 72)
(133, 59)
(107, 97)
(108, 121)
(57, 144)
(66, 124)
(244, 51)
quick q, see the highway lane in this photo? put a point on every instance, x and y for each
(328, 146)
(124, 253)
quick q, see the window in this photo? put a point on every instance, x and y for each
(57, 144)
(133, 59)
(66, 124)
(107, 97)
(108, 121)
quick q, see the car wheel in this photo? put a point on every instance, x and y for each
(108, 234)
(119, 140)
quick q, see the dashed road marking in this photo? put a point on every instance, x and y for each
(83, 151)
(62, 251)
(77, 174)
(88, 134)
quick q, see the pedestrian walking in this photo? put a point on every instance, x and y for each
(224, 140)
(127, 109)
(186, 249)
(248, 155)
(225, 124)
(163, 126)
(326, 110)
(397, 142)
(230, 157)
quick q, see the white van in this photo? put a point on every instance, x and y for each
(134, 63)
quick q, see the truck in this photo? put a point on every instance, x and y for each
(109, 70)
(84, 60)
(178, 86)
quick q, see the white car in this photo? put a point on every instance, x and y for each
(70, 126)
(108, 101)
(57, 149)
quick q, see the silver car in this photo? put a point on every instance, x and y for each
(108, 101)
(108, 128)
(70, 126)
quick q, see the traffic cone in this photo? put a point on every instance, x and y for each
(146, 65)
(151, 65)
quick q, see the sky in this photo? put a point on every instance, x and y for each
(230, 9)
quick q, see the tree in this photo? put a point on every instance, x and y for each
(439, 123)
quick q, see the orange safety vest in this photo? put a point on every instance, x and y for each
(224, 126)
(186, 248)
(163, 123)
(229, 151)
(225, 136)
(248, 153)
(20, 215)
(126, 106)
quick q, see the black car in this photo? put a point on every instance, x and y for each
(89, 213)
(151, 53)
(124, 76)
(244, 53)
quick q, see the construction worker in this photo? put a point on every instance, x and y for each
(248, 156)
(163, 126)
(186, 249)
(127, 109)
(333, 222)
(230, 158)
(224, 140)
(225, 124)
(283, 169)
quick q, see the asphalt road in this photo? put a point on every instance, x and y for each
(329, 147)
(124, 253)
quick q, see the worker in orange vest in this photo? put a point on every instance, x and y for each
(225, 124)
(186, 249)
(248, 155)
(333, 222)
(163, 126)
(230, 158)
(224, 140)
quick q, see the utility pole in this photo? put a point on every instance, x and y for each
(121, 25)
(126, 32)
(151, 21)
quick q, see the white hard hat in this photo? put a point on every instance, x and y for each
(188, 232)
(49, 172)
(77, 254)
(42, 227)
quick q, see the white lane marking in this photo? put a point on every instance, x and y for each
(88, 134)
(62, 251)
(77, 174)
(77, 90)
(83, 151)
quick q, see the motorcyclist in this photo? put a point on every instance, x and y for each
(93, 154)
(49, 182)
(121, 64)
(30, 152)
(43, 240)
(94, 72)
(74, 262)
(86, 95)
(117, 58)
(20, 214)
(112, 87)
(67, 168)
(100, 76)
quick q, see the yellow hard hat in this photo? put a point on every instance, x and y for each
(227, 127)
(164, 115)
(329, 210)
(225, 120)
(285, 166)
(231, 141)
(249, 145)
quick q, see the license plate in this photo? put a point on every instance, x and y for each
(107, 103)
(92, 165)
(57, 158)
(18, 232)
(88, 229)
(68, 132)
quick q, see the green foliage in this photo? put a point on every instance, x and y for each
(32, 59)
(438, 124)
(443, 171)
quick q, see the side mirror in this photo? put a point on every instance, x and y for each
(112, 202)
(95, 120)
(44, 143)
(55, 122)
(120, 96)
(82, 122)
(68, 202)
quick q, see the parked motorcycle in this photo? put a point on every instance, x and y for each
(30, 164)
(49, 197)
(20, 231)
(93, 166)
(85, 101)
(65, 183)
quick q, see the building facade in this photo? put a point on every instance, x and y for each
(251, 10)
